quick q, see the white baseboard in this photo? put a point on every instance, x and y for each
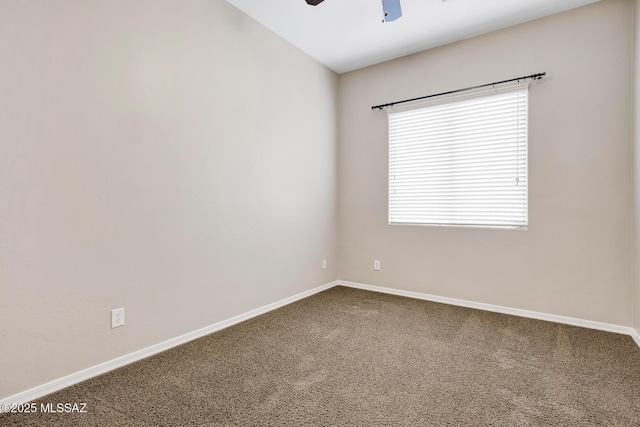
(500, 309)
(77, 377)
(635, 334)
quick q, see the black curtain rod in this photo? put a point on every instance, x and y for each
(537, 76)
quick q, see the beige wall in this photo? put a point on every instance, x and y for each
(171, 157)
(575, 259)
(636, 163)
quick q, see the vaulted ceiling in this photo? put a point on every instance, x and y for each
(349, 34)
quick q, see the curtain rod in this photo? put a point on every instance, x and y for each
(537, 76)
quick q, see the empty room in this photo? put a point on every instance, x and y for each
(319, 213)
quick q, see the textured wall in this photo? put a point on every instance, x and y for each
(173, 158)
(575, 259)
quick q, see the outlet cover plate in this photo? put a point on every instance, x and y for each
(117, 317)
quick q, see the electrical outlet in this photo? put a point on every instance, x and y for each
(117, 317)
(376, 265)
(324, 264)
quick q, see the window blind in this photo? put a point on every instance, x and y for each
(460, 160)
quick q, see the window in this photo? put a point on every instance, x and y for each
(460, 160)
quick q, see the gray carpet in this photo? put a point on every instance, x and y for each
(357, 358)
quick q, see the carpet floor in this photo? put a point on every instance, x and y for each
(347, 357)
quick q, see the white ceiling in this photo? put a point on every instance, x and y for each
(349, 34)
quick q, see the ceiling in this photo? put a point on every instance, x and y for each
(349, 34)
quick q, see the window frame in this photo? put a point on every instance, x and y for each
(458, 98)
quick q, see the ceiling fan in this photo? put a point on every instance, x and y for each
(390, 8)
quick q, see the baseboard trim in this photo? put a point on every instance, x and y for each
(77, 377)
(635, 334)
(499, 309)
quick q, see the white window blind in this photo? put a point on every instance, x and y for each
(460, 160)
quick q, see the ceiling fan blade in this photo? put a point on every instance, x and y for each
(314, 2)
(392, 10)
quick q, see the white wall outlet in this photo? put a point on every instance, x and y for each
(324, 264)
(117, 317)
(376, 265)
